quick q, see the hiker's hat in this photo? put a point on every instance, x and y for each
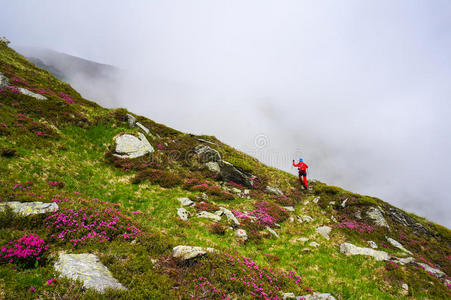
(301, 160)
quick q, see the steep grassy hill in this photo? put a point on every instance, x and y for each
(62, 150)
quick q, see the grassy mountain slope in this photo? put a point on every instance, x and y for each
(61, 150)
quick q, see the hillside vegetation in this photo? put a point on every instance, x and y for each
(125, 211)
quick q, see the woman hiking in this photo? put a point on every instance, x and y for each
(302, 167)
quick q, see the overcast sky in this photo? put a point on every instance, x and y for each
(360, 89)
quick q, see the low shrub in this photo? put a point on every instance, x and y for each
(26, 251)
(217, 228)
(163, 178)
(205, 206)
(8, 152)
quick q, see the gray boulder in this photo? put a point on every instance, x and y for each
(31, 94)
(131, 120)
(88, 269)
(207, 154)
(398, 245)
(317, 296)
(350, 249)
(230, 216)
(185, 201)
(209, 215)
(29, 208)
(130, 146)
(273, 190)
(375, 214)
(4, 81)
(230, 173)
(189, 252)
(213, 166)
(324, 231)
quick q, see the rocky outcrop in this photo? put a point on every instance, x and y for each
(206, 154)
(29, 208)
(350, 249)
(324, 231)
(433, 271)
(230, 173)
(31, 94)
(401, 218)
(398, 245)
(3, 81)
(375, 214)
(130, 146)
(189, 252)
(88, 269)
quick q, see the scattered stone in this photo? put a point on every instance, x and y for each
(246, 192)
(433, 271)
(4, 40)
(189, 252)
(31, 94)
(404, 261)
(332, 203)
(333, 219)
(314, 244)
(288, 296)
(291, 219)
(213, 166)
(88, 269)
(207, 154)
(29, 208)
(183, 214)
(358, 214)
(324, 231)
(273, 190)
(272, 231)
(289, 208)
(143, 128)
(317, 296)
(398, 245)
(316, 200)
(185, 201)
(4, 81)
(131, 120)
(307, 219)
(241, 234)
(375, 214)
(230, 216)
(350, 249)
(299, 219)
(130, 146)
(372, 244)
(235, 190)
(306, 202)
(208, 215)
(405, 287)
(230, 173)
(343, 204)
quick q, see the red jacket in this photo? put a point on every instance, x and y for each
(301, 165)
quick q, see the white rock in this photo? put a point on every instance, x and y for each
(289, 208)
(372, 244)
(398, 245)
(317, 296)
(343, 204)
(375, 214)
(272, 231)
(131, 120)
(405, 287)
(183, 214)
(288, 296)
(358, 214)
(213, 166)
(143, 128)
(130, 146)
(291, 219)
(332, 203)
(4, 81)
(235, 190)
(4, 40)
(306, 202)
(314, 244)
(88, 269)
(230, 216)
(404, 261)
(208, 215)
(273, 190)
(324, 231)
(436, 272)
(188, 252)
(307, 219)
(241, 234)
(246, 191)
(333, 219)
(29, 208)
(350, 249)
(316, 200)
(302, 239)
(31, 94)
(185, 201)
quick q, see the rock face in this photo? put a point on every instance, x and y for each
(183, 214)
(350, 249)
(273, 190)
(189, 252)
(87, 268)
(185, 201)
(376, 215)
(31, 94)
(130, 146)
(208, 215)
(401, 218)
(230, 173)
(324, 231)
(230, 216)
(207, 154)
(398, 245)
(3, 81)
(29, 208)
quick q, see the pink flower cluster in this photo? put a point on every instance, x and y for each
(203, 283)
(354, 225)
(86, 224)
(262, 214)
(23, 187)
(65, 97)
(27, 250)
(51, 282)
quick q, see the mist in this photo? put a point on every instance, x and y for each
(361, 90)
